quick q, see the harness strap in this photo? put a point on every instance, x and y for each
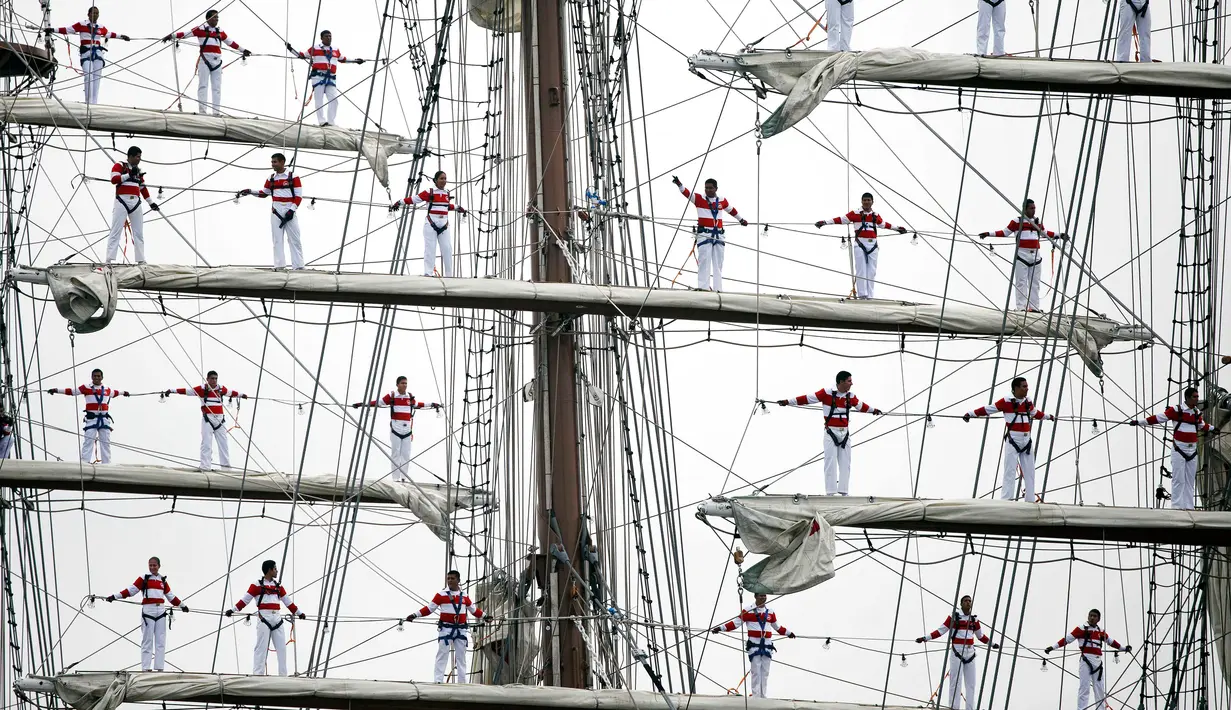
(845, 437)
(1186, 457)
(438, 230)
(284, 219)
(400, 435)
(1139, 11)
(866, 251)
(128, 209)
(272, 627)
(1019, 449)
(154, 619)
(760, 647)
(456, 631)
(1029, 264)
(1095, 673)
(993, 3)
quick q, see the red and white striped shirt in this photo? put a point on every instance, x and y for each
(962, 629)
(211, 39)
(1017, 413)
(1189, 423)
(866, 223)
(762, 622)
(709, 211)
(402, 406)
(286, 189)
(269, 596)
(155, 589)
(1091, 639)
(88, 34)
(324, 59)
(98, 399)
(439, 201)
(125, 184)
(453, 607)
(836, 405)
(1026, 231)
(211, 399)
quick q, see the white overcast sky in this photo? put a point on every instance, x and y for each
(804, 176)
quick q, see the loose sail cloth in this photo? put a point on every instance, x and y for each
(1216, 469)
(106, 691)
(376, 147)
(763, 523)
(805, 77)
(432, 503)
(1087, 334)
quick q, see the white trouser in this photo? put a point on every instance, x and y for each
(837, 461)
(1124, 40)
(400, 439)
(430, 240)
(103, 437)
(841, 19)
(991, 21)
(865, 266)
(264, 636)
(92, 72)
(962, 676)
(709, 261)
(204, 78)
(456, 648)
(292, 235)
(120, 212)
(1087, 679)
(1026, 278)
(326, 96)
(153, 637)
(1012, 460)
(6, 447)
(209, 435)
(1183, 478)
(758, 675)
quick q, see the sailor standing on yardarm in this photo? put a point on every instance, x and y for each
(1027, 263)
(962, 628)
(269, 597)
(324, 76)
(90, 45)
(213, 418)
(436, 227)
(837, 403)
(1133, 14)
(991, 22)
(209, 61)
(840, 19)
(1019, 413)
(96, 421)
(711, 242)
(453, 604)
(1188, 422)
(155, 590)
(867, 249)
(287, 191)
(402, 406)
(1090, 638)
(130, 187)
(762, 623)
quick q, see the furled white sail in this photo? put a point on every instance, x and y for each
(431, 502)
(1087, 334)
(805, 77)
(106, 691)
(1213, 488)
(779, 525)
(375, 146)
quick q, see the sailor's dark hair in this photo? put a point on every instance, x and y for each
(867, 195)
(98, 370)
(1096, 611)
(964, 598)
(268, 565)
(437, 175)
(155, 558)
(325, 32)
(843, 375)
(1190, 390)
(211, 373)
(401, 378)
(1017, 381)
(133, 150)
(455, 573)
(1028, 202)
(210, 13)
(711, 181)
(279, 156)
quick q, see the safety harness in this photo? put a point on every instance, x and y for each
(865, 225)
(714, 231)
(844, 413)
(137, 178)
(970, 625)
(145, 594)
(98, 420)
(1179, 421)
(216, 34)
(283, 219)
(1086, 641)
(760, 647)
(272, 627)
(410, 433)
(455, 630)
(845, 2)
(94, 51)
(993, 3)
(1139, 11)
(222, 419)
(326, 75)
(1021, 412)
